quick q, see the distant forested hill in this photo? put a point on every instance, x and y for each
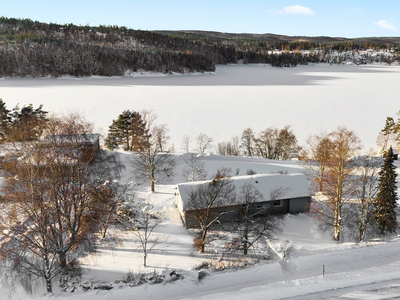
(32, 48)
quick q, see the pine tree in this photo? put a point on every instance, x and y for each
(385, 201)
(128, 130)
(27, 123)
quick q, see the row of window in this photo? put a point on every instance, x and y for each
(275, 203)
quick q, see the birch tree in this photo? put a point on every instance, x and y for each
(194, 168)
(254, 225)
(366, 183)
(317, 154)
(204, 142)
(145, 220)
(46, 219)
(151, 162)
(337, 186)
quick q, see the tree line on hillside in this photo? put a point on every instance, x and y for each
(31, 48)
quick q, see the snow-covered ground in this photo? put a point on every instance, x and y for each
(309, 98)
(369, 270)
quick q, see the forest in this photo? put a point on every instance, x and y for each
(36, 49)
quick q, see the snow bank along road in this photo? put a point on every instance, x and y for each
(358, 266)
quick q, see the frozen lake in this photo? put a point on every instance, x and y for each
(309, 98)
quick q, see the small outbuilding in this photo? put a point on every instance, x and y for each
(395, 154)
(294, 196)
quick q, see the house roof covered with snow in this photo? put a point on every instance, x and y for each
(295, 185)
(88, 138)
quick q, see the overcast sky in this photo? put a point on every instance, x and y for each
(346, 18)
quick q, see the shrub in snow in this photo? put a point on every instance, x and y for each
(251, 172)
(70, 278)
(201, 275)
(103, 286)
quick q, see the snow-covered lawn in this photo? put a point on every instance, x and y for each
(349, 267)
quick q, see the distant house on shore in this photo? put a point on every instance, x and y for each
(87, 145)
(395, 154)
(295, 196)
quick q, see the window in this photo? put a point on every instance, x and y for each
(263, 206)
(278, 203)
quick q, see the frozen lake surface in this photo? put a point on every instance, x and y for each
(309, 98)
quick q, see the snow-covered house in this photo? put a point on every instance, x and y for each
(87, 143)
(395, 154)
(294, 196)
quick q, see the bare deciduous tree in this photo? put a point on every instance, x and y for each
(47, 193)
(265, 143)
(272, 143)
(204, 142)
(337, 186)
(155, 166)
(366, 183)
(229, 148)
(145, 220)
(247, 142)
(254, 224)
(202, 200)
(161, 134)
(108, 205)
(186, 140)
(151, 162)
(194, 168)
(317, 154)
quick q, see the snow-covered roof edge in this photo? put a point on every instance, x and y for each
(296, 186)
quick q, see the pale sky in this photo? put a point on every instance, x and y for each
(350, 18)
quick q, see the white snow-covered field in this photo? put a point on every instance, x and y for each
(309, 98)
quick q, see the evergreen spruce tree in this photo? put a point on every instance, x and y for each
(385, 201)
(5, 121)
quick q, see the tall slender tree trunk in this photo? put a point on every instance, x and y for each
(47, 272)
(245, 246)
(49, 288)
(153, 180)
(63, 259)
(337, 223)
(203, 240)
